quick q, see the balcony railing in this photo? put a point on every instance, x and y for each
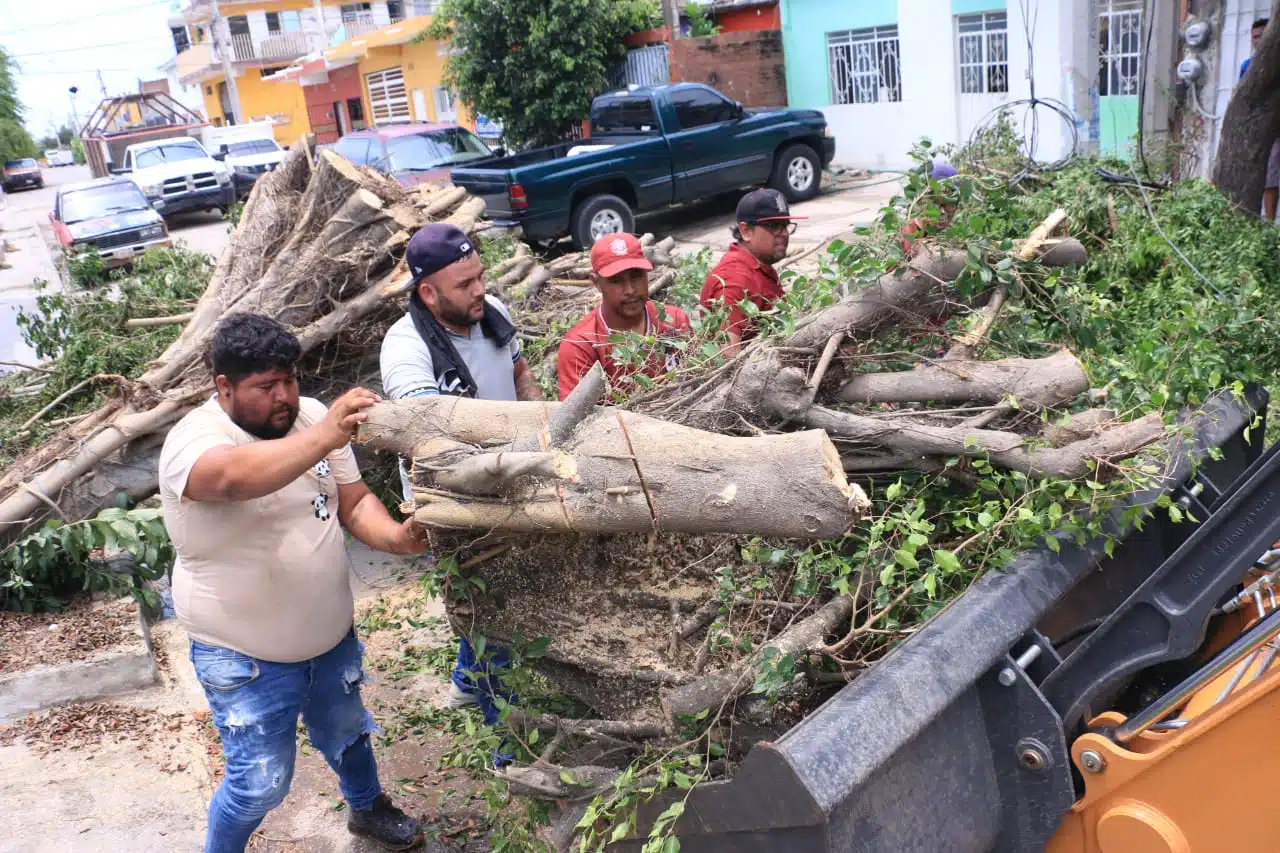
(415, 8)
(278, 46)
(359, 23)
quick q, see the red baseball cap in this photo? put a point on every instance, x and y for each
(615, 253)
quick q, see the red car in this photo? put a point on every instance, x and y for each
(22, 173)
(414, 153)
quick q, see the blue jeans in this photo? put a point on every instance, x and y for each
(256, 705)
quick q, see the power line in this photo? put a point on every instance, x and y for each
(76, 71)
(89, 47)
(78, 18)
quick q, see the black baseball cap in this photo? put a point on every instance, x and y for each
(764, 206)
(435, 247)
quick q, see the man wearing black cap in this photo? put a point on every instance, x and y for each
(455, 340)
(761, 236)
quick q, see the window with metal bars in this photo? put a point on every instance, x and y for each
(1119, 47)
(864, 66)
(983, 48)
(388, 100)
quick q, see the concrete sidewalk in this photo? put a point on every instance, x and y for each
(29, 260)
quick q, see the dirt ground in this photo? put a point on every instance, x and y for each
(163, 740)
(75, 634)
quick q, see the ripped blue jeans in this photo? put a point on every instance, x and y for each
(256, 705)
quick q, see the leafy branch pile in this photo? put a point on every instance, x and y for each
(319, 246)
(778, 626)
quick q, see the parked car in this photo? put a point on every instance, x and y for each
(651, 148)
(249, 150)
(109, 216)
(178, 174)
(22, 173)
(56, 157)
(414, 153)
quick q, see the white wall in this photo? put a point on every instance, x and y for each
(878, 136)
(258, 27)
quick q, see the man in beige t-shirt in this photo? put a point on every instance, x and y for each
(257, 486)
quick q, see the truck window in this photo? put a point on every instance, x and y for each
(623, 115)
(354, 149)
(169, 153)
(699, 107)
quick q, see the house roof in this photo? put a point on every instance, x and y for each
(401, 32)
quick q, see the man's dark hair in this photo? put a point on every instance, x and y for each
(245, 344)
(1260, 24)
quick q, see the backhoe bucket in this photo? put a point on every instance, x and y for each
(948, 745)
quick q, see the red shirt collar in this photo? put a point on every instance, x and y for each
(742, 256)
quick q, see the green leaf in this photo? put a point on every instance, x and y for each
(906, 559)
(946, 560)
(931, 584)
(894, 490)
(538, 647)
(620, 831)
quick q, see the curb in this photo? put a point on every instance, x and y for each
(121, 670)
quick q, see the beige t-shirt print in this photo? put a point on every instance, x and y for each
(267, 577)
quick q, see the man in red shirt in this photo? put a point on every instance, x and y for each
(620, 271)
(761, 237)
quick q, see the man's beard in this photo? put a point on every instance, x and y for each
(265, 429)
(454, 315)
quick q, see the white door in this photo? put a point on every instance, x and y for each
(387, 97)
(982, 48)
(446, 107)
(420, 106)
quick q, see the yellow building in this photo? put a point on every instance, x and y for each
(259, 39)
(402, 76)
(391, 75)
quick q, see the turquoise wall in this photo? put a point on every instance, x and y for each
(805, 24)
(968, 7)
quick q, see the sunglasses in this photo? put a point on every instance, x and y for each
(777, 227)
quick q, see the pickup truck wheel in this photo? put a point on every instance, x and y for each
(797, 173)
(598, 216)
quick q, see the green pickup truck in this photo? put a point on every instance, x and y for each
(651, 148)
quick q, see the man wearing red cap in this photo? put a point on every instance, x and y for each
(761, 236)
(620, 271)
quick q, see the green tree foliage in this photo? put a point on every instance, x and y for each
(14, 140)
(535, 65)
(700, 21)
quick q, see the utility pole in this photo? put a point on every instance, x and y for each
(221, 32)
(103, 84)
(322, 35)
(671, 17)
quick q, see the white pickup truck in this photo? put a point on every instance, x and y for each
(177, 175)
(249, 150)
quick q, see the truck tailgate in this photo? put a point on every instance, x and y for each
(492, 185)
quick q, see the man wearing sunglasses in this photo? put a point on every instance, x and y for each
(761, 236)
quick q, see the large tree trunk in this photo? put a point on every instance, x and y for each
(1250, 126)
(612, 472)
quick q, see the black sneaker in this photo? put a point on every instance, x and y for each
(386, 824)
